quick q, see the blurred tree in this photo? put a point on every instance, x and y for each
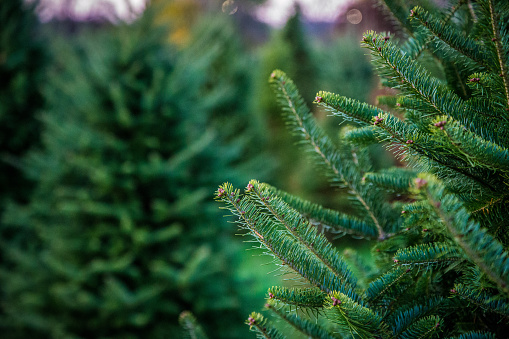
(287, 49)
(23, 58)
(345, 68)
(182, 15)
(308, 62)
(123, 231)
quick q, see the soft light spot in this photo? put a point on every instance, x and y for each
(354, 16)
(230, 7)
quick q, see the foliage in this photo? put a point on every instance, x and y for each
(308, 61)
(123, 237)
(442, 249)
(23, 59)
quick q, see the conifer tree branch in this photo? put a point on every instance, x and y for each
(191, 326)
(407, 315)
(420, 46)
(411, 77)
(258, 324)
(379, 287)
(398, 179)
(474, 335)
(398, 12)
(304, 326)
(312, 298)
(423, 328)
(353, 318)
(490, 303)
(318, 140)
(434, 254)
(484, 250)
(305, 233)
(498, 46)
(330, 220)
(397, 131)
(283, 246)
(449, 36)
(473, 149)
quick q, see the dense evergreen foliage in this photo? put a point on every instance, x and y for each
(23, 60)
(441, 249)
(121, 233)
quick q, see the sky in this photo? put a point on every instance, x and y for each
(273, 12)
(82, 8)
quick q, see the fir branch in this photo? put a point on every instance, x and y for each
(301, 120)
(402, 318)
(472, 148)
(398, 179)
(500, 53)
(393, 129)
(309, 298)
(362, 136)
(475, 335)
(448, 34)
(262, 327)
(482, 299)
(418, 207)
(329, 220)
(301, 229)
(434, 254)
(399, 14)
(421, 40)
(412, 78)
(386, 283)
(414, 81)
(424, 328)
(191, 326)
(353, 318)
(302, 325)
(281, 244)
(481, 247)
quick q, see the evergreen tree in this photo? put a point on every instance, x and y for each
(439, 223)
(123, 233)
(290, 49)
(23, 60)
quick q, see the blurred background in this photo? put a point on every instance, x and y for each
(119, 119)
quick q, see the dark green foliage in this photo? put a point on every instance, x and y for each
(123, 235)
(302, 325)
(193, 330)
(440, 223)
(309, 298)
(262, 327)
(23, 60)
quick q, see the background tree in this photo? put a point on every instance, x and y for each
(23, 59)
(123, 235)
(309, 60)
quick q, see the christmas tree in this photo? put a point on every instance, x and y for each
(123, 235)
(23, 60)
(441, 263)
